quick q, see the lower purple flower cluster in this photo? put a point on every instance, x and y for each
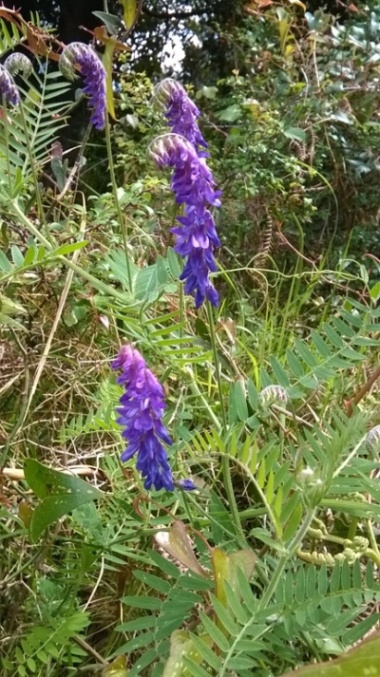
(194, 187)
(140, 413)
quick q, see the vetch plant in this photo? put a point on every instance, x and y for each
(181, 113)
(94, 76)
(194, 186)
(141, 411)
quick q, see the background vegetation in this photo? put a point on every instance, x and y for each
(272, 564)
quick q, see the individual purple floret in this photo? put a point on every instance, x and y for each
(141, 410)
(8, 89)
(181, 112)
(194, 187)
(94, 77)
(186, 485)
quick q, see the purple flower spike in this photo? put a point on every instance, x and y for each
(141, 411)
(181, 112)
(94, 77)
(194, 187)
(8, 89)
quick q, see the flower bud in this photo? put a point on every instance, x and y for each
(272, 395)
(18, 63)
(372, 441)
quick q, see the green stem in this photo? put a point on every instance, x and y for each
(20, 420)
(97, 284)
(30, 226)
(292, 549)
(120, 216)
(226, 471)
(216, 363)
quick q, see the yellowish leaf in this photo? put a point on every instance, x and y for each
(107, 62)
(130, 11)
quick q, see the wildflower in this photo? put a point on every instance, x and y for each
(141, 411)
(181, 112)
(18, 63)
(372, 440)
(8, 89)
(94, 76)
(194, 187)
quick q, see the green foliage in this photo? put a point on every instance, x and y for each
(60, 494)
(235, 635)
(46, 644)
(10, 37)
(30, 129)
(271, 564)
(354, 664)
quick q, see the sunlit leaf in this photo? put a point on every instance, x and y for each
(363, 661)
(118, 668)
(129, 12)
(60, 493)
(107, 62)
(226, 567)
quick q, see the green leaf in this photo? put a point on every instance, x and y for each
(142, 602)
(214, 632)
(362, 661)
(5, 264)
(173, 263)
(69, 248)
(230, 114)
(374, 292)
(224, 616)
(240, 401)
(181, 646)
(155, 582)
(226, 568)
(295, 133)
(17, 256)
(112, 22)
(60, 493)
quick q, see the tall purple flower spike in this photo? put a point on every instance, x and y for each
(194, 187)
(8, 89)
(141, 410)
(94, 77)
(181, 113)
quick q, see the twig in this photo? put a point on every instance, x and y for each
(17, 474)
